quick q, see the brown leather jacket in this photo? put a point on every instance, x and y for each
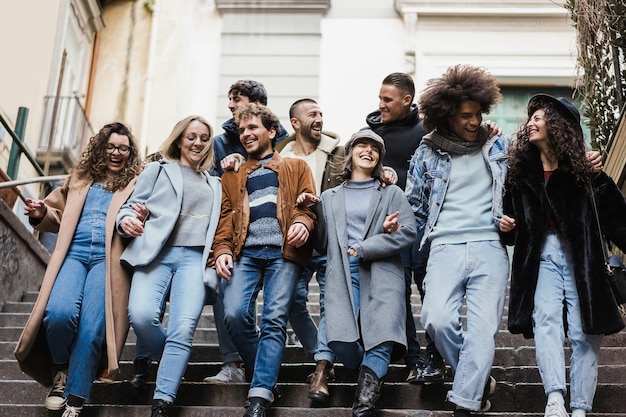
(294, 178)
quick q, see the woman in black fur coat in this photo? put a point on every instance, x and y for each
(558, 260)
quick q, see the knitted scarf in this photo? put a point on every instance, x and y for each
(453, 144)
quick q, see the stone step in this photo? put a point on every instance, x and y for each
(297, 372)
(144, 410)
(522, 397)
(18, 307)
(30, 296)
(504, 356)
(519, 386)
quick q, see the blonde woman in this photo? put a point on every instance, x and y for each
(169, 251)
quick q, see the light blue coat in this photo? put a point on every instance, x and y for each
(159, 187)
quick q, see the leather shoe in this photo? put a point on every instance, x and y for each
(140, 378)
(415, 373)
(435, 370)
(257, 407)
(318, 385)
(160, 408)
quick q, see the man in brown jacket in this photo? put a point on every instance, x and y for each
(262, 243)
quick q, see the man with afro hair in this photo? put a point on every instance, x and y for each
(455, 186)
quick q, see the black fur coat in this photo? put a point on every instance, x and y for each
(531, 203)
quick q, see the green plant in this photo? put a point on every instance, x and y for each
(601, 40)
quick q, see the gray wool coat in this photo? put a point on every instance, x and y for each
(382, 315)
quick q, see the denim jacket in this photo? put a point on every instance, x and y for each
(427, 181)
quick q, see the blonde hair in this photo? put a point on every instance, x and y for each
(170, 149)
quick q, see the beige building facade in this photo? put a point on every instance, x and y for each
(152, 63)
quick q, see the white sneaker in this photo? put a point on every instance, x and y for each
(72, 411)
(55, 399)
(229, 373)
(555, 409)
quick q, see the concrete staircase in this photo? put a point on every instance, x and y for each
(519, 391)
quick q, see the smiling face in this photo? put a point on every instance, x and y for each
(255, 138)
(466, 121)
(308, 122)
(393, 103)
(365, 157)
(117, 152)
(537, 127)
(193, 142)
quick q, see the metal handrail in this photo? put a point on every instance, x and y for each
(49, 178)
(18, 142)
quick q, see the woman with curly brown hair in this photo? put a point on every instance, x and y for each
(84, 294)
(558, 259)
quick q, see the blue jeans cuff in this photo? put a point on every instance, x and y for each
(262, 393)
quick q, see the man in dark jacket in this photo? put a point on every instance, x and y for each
(397, 122)
(228, 148)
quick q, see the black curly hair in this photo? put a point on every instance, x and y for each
(442, 96)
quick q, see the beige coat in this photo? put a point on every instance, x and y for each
(65, 205)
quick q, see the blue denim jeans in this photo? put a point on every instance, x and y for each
(177, 270)
(412, 356)
(74, 318)
(228, 350)
(555, 285)
(353, 354)
(262, 351)
(478, 272)
(299, 317)
(317, 266)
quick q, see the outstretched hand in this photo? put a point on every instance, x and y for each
(35, 208)
(307, 200)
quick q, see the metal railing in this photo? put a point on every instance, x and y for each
(67, 130)
(15, 156)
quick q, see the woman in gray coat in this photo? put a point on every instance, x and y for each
(169, 252)
(363, 227)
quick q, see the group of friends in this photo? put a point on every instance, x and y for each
(426, 193)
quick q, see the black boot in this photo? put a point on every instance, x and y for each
(257, 407)
(140, 379)
(367, 392)
(160, 408)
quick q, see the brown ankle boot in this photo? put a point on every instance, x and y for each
(318, 386)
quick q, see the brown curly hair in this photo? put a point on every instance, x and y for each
(565, 140)
(268, 119)
(442, 96)
(93, 160)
